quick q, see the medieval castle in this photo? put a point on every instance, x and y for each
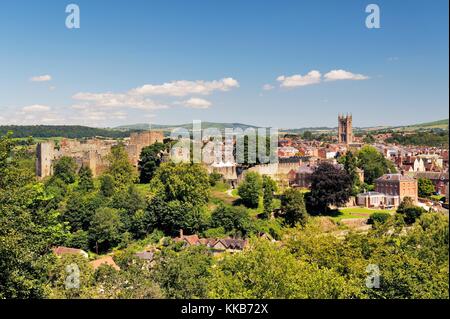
(91, 153)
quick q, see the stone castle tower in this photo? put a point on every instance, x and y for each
(44, 157)
(345, 130)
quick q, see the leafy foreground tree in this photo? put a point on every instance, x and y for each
(250, 189)
(72, 277)
(412, 262)
(184, 274)
(330, 185)
(267, 270)
(23, 239)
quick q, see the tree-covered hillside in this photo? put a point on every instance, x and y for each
(69, 131)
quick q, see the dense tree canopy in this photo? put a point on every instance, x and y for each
(425, 187)
(184, 182)
(373, 163)
(250, 189)
(293, 207)
(330, 185)
(149, 161)
(120, 168)
(66, 170)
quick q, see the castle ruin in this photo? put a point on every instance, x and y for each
(91, 153)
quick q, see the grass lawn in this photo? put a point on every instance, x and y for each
(355, 212)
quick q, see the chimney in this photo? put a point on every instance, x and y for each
(181, 234)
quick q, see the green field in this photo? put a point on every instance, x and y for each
(355, 212)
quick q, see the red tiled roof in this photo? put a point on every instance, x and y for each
(106, 260)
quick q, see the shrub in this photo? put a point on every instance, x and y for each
(379, 217)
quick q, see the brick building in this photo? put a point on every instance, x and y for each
(397, 185)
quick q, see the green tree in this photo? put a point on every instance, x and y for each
(369, 139)
(425, 187)
(266, 270)
(330, 185)
(373, 163)
(293, 207)
(234, 220)
(308, 135)
(174, 215)
(128, 203)
(149, 161)
(184, 274)
(130, 282)
(350, 165)
(104, 230)
(66, 169)
(24, 245)
(184, 182)
(269, 187)
(120, 167)
(106, 185)
(250, 189)
(85, 182)
(407, 202)
(80, 208)
(411, 214)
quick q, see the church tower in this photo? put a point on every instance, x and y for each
(345, 130)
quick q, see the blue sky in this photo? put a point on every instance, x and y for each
(267, 63)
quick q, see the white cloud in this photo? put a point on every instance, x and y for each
(115, 100)
(183, 88)
(36, 108)
(41, 78)
(268, 87)
(313, 77)
(196, 103)
(335, 75)
(52, 119)
(119, 115)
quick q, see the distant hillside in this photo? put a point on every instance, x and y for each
(146, 126)
(436, 124)
(68, 131)
(77, 131)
